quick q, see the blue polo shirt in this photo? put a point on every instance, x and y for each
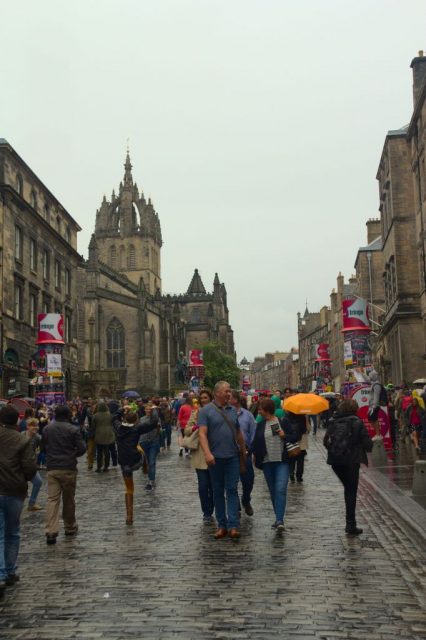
(221, 439)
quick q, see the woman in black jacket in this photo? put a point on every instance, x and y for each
(130, 456)
(347, 441)
(270, 455)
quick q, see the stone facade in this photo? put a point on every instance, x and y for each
(313, 329)
(38, 271)
(399, 352)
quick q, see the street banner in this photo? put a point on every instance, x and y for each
(322, 352)
(50, 328)
(347, 353)
(361, 393)
(196, 358)
(355, 315)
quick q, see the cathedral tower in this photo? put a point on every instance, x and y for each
(128, 234)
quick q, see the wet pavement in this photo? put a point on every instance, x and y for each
(166, 577)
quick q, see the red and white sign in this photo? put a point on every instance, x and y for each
(50, 328)
(355, 315)
(196, 358)
(361, 393)
(322, 352)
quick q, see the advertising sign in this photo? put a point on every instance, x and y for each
(361, 393)
(322, 352)
(347, 353)
(355, 315)
(196, 358)
(54, 364)
(50, 328)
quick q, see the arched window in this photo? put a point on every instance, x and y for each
(19, 184)
(195, 316)
(33, 199)
(113, 257)
(115, 341)
(68, 235)
(132, 257)
(58, 224)
(122, 258)
(46, 212)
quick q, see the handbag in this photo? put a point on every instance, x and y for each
(192, 441)
(293, 449)
(241, 450)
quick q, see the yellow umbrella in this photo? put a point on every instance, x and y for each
(306, 403)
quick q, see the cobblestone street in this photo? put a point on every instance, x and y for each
(166, 577)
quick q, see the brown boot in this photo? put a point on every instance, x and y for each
(129, 508)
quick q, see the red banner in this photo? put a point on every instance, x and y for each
(322, 352)
(355, 315)
(196, 358)
(50, 328)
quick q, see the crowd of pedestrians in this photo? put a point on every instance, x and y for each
(224, 438)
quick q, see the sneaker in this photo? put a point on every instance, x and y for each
(292, 479)
(34, 507)
(71, 532)
(275, 525)
(299, 479)
(280, 527)
(11, 579)
(149, 486)
(208, 519)
(51, 538)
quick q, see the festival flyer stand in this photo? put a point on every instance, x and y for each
(50, 383)
(358, 363)
(322, 367)
(195, 371)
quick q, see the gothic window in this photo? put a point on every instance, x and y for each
(122, 260)
(113, 257)
(115, 340)
(132, 257)
(195, 316)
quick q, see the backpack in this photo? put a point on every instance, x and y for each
(383, 396)
(338, 441)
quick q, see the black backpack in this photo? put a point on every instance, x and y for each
(338, 441)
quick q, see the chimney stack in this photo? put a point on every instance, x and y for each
(418, 66)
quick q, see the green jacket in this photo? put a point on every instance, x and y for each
(102, 425)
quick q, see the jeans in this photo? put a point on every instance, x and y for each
(348, 475)
(314, 422)
(247, 481)
(151, 452)
(36, 482)
(224, 475)
(276, 476)
(167, 438)
(61, 482)
(10, 513)
(205, 491)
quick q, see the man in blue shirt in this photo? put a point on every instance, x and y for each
(248, 427)
(221, 440)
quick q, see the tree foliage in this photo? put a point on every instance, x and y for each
(219, 366)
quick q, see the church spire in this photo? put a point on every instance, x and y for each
(128, 178)
(196, 286)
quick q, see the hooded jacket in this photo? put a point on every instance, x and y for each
(102, 425)
(128, 436)
(17, 462)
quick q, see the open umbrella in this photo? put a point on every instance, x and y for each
(420, 381)
(130, 394)
(306, 403)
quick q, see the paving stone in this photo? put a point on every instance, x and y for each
(166, 577)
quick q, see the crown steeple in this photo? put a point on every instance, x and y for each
(196, 286)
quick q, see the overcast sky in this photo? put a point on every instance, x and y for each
(256, 126)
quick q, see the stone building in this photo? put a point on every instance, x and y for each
(416, 140)
(369, 272)
(399, 351)
(38, 271)
(312, 329)
(129, 333)
(275, 370)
